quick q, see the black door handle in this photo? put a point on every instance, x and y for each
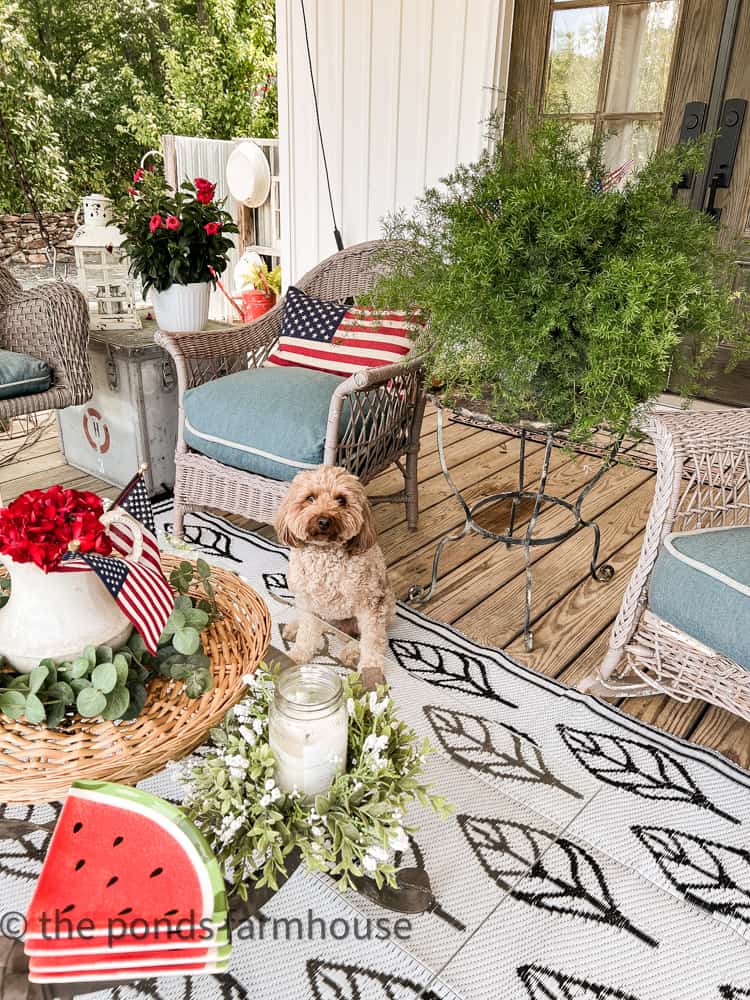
(724, 152)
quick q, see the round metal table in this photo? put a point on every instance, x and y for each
(527, 539)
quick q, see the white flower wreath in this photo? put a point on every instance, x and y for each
(350, 831)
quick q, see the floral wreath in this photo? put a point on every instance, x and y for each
(350, 831)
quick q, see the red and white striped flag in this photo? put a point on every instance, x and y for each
(140, 588)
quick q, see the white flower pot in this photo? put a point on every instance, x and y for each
(182, 308)
(56, 615)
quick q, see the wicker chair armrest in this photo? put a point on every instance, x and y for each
(51, 322)
(362, 381)
(229, 341)
(201, 356)
(705, 432)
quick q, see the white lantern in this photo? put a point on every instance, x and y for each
(103, 277)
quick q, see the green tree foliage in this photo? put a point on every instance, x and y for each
(29, 115)
(554, 300)
(87, 88)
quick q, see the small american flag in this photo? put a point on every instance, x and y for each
(140, 589)
(613, 178)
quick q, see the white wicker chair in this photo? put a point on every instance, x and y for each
(385, 405)
(702, 481)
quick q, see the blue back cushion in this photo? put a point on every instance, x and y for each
(269, 421)
(22, 375)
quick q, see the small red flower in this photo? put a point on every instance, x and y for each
(212, 228)
(204, 190)
(173, 222)
(132, 192)
(139, 175)
(156, 223)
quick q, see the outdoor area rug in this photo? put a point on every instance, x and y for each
(589, 857)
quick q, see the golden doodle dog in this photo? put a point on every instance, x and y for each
(336, 568)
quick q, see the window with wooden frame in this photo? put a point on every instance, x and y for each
(606, 67)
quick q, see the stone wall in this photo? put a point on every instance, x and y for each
(22, 243)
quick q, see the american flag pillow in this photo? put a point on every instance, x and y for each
(341, 339)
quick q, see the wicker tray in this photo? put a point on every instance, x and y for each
(38, 764)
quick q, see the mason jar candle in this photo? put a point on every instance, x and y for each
(308, 728)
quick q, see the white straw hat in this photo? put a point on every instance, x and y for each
(248, 174)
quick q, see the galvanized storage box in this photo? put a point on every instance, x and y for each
(132, 417)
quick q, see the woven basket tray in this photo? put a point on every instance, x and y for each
(38, 764)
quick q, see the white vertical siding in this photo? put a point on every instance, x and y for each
(404, 87)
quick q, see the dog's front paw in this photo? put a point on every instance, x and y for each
(300, 654)
(349, 655)
(290, 630)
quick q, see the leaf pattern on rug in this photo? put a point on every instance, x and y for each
(334, 981)
(446, 668)
(714, 876)
(278, 588)
(546, 984)
(221, 986)
(25, 833)
(540, 869)
(208, 539)
(641, 768)
(734, 992)
(492, 747)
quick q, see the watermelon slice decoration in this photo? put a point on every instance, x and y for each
(128, 883)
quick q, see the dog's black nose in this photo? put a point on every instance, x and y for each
(324, 523)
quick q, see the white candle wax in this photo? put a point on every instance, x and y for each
(308, 729)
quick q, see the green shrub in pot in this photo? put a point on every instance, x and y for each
(551, 298)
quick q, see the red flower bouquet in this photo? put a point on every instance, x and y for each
(39, 525)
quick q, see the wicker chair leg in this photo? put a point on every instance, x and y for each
(178, 528)
(411, 483)
(609, 682)
(411, 475)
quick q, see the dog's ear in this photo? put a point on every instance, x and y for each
(367, 535)
(282, 526)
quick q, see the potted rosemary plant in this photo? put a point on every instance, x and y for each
(553, 299)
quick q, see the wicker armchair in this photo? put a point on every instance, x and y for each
(50, 322)
(385, 405)
(702, 481)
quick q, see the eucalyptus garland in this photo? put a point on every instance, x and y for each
(113, 684)
(349, 832)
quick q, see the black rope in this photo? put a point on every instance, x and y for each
(336, 233)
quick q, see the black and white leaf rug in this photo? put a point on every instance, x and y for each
(589, 856)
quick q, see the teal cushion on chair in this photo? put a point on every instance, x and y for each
(701, 584)
(22, 375)
(270, 421)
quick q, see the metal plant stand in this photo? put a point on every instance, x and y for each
(527, 538)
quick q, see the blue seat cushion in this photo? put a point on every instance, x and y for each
(269, 421)
(22, 375)
(701, 584)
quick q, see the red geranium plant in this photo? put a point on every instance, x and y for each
(174, 237)
(39, 525)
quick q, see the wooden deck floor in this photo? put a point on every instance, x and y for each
(481, 590)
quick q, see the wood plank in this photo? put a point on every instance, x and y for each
(726, 733)
(558, 573)
(31, 466)
(473, 585)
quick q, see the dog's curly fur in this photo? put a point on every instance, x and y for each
(336, 567)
